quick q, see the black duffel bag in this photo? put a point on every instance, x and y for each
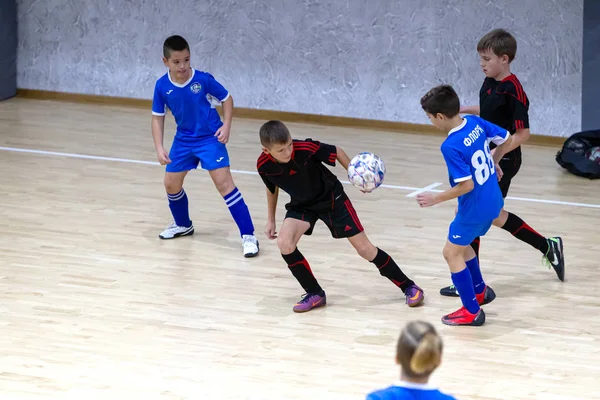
(580, 154)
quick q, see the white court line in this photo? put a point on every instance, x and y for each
(126, 160)
(564, 203)
(425, 189)
(53, 153)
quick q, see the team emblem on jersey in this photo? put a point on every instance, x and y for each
(195, 87)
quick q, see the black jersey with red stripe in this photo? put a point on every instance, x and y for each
(505, 104)
(310, 184)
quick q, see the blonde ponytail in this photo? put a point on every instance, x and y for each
(419, 350)
(427, 355)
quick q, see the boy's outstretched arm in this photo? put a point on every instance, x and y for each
(430, 199)
(342, 157)
(270, 230)
(504, 148)
(223, 132)
(158, 130)
(470, 110)
(227, 111)
(518, 138)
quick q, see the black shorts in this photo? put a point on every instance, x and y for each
(510, 167)
(341, 219)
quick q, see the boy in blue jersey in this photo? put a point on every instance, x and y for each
(474, 180)
(200, 139)
(419, 353)
(503, 101)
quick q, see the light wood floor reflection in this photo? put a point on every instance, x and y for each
(95, 306)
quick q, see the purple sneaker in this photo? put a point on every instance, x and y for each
(310, 301)
(414, 296)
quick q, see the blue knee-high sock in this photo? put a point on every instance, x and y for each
(478, 283)
(464, 283)
(178, 203)
(239, 211)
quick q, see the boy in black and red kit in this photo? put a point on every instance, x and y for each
(296, 166)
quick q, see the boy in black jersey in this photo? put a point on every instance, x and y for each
(296, 166)
(503, 101)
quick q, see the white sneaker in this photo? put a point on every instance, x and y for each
(250, 245)
(174, 231)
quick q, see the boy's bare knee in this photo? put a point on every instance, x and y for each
(173, 185)
(223, 181)
(448, 253)
(364, 247)
(501, 220)
(367, 251)
(224, 188)
(286, 244)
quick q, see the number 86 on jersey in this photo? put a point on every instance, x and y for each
(483, 163)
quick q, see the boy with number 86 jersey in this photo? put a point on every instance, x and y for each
(503, 101)
(474, 179)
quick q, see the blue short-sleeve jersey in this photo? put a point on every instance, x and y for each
(467, 154)
(191, 103)
(409, 391)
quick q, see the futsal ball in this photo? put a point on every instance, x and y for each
(593, 154)
(366, 171)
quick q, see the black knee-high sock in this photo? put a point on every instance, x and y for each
(388, 268)
(475, 245)
(519, 229)
(302, 272)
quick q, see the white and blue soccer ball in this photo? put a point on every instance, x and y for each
(366, 171)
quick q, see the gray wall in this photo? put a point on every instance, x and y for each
(590, 118)
(358, 58)
(8, 49)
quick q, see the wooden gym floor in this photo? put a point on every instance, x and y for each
(94, 305)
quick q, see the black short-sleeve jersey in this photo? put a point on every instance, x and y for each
(505, 104)
(310, 184)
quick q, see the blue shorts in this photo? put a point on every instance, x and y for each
(462, 233)
(211, 154)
